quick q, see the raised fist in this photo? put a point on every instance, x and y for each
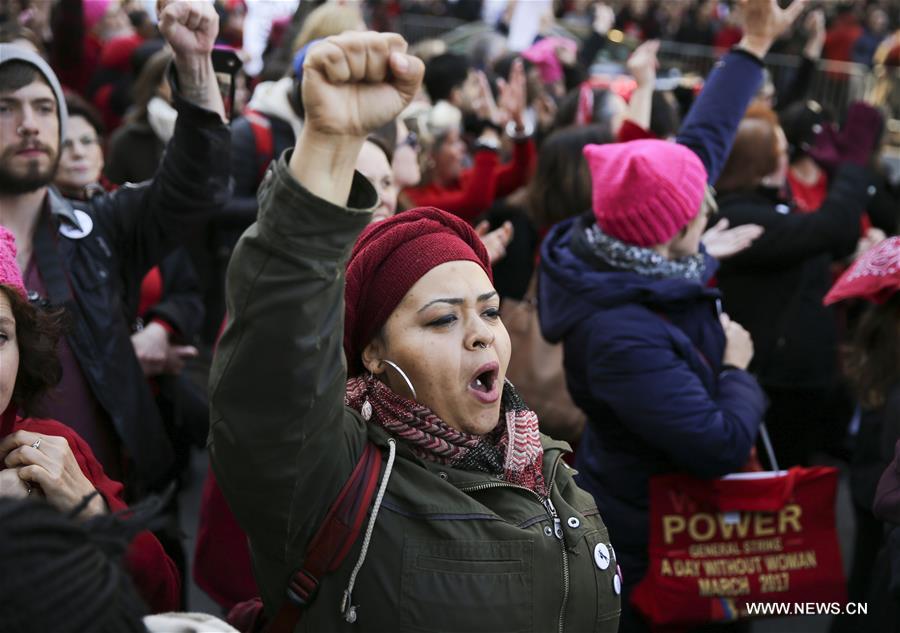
(190, 27)
(642, 63)
(356, 82)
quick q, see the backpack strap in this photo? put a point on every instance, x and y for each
(333, 540)
(262, 138)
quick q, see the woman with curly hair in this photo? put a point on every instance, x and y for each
(44, 458)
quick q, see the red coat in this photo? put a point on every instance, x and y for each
(479, 185)
(154, 574)
(222, 566)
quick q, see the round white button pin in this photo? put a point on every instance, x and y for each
(617, 584)
(74, 232)
(601, 555)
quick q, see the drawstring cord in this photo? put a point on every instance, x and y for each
(348, 610)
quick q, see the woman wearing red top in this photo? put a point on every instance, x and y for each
(470, 192)
(45, 457)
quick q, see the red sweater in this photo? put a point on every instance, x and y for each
(480, 185)
(154, 574)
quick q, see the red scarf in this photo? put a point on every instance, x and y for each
(512, 449)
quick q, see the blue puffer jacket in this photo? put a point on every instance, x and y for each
(643, 359)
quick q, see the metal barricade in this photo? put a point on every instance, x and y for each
(415, 27)
(834, 84)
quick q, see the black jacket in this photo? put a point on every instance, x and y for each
(247, 163)
(181, 304)
(97, 274)
(227, 226)
(775, 288)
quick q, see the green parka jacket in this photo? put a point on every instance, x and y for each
(452, 550)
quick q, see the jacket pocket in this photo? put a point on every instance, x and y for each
(464, 585)
(608, 584)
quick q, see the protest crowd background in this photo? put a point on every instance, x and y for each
(223, 409)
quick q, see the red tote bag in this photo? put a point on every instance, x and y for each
(748, 538)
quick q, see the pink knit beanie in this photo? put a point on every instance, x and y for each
(645, 191)
(93, 11)
(9, 269)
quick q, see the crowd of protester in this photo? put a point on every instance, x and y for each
(455, 306)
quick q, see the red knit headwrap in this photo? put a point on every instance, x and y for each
(389, 258)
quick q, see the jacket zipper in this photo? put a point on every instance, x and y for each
(550, 509)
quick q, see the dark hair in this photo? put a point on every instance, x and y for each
(443, 74)
(17, 74)
(872, 360)
(77, 106)
(754, 154)
(568, 108)
(37, 332)
(59, 574)
(665, 118)
(147, 83)
(802, 121)
(561, 185)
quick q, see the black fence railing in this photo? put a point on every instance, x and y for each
(834, 84)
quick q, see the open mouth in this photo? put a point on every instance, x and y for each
(484, 384)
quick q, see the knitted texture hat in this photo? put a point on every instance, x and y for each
(645, 191)
(543, 55)
(12, 52)
(94, 11)
(10, 275)
(389, 258)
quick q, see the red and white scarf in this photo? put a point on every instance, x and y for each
(512, 449)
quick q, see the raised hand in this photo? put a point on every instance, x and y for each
(190, 27)
(642, 63)
(483, 104)
(513, 94)
(352, 84)
(764, 22)
(495, 241)
(604, 18)
(357, 82)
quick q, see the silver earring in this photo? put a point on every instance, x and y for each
(366, 409)
(405, 377)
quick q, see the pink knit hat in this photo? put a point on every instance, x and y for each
(93, 11)
(543, 55)
(10, 275)
(645, 191)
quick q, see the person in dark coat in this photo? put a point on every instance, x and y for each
(872, 365)
(136, 148)
(659, 372)
(775, 287)
(91, 259)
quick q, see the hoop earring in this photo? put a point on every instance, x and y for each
(405, 377)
